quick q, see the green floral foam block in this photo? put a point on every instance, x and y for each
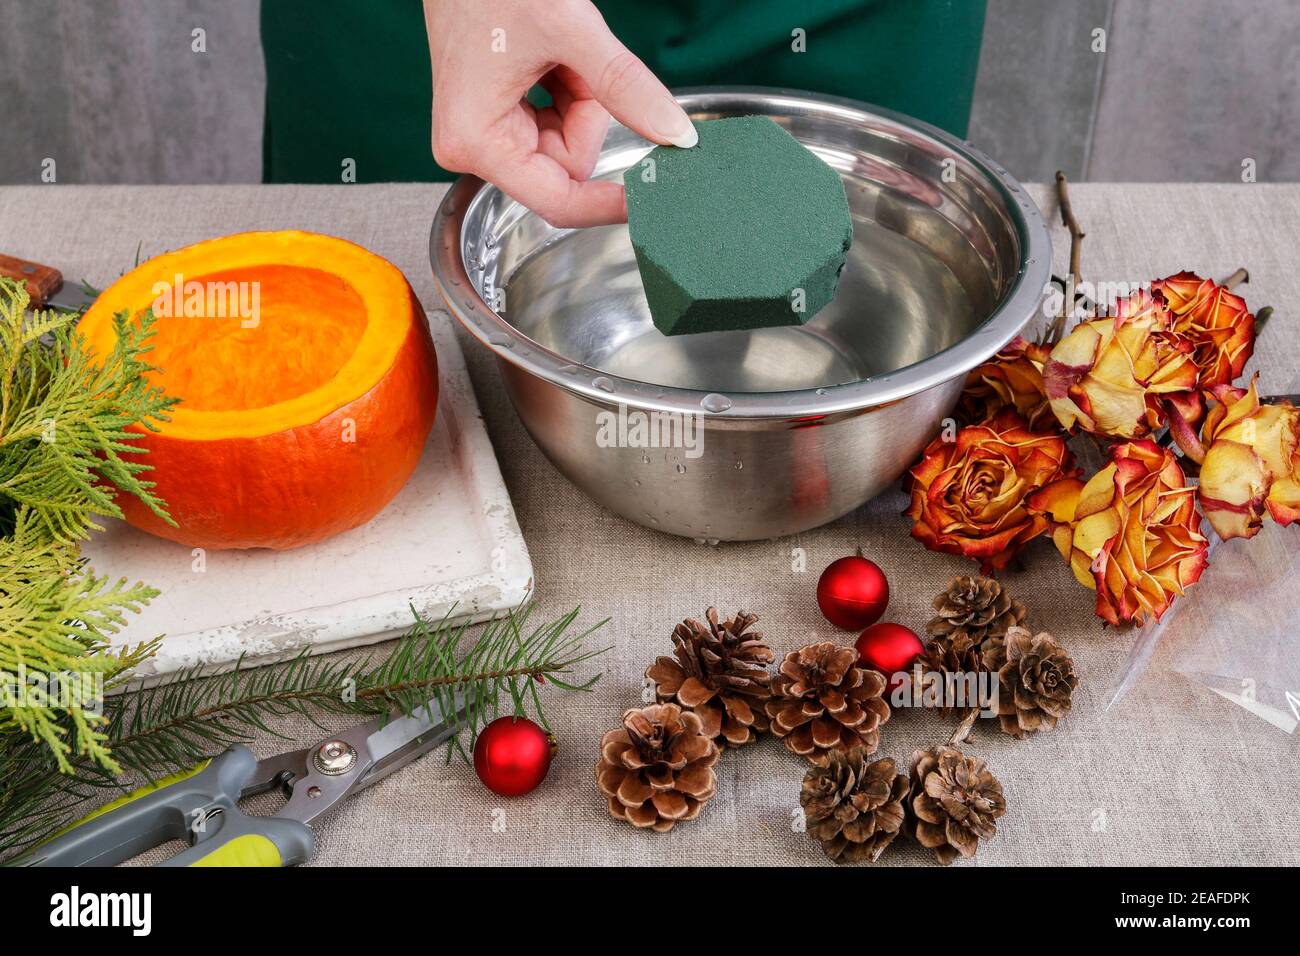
(746, 230)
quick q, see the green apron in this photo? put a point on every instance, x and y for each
(348, 87)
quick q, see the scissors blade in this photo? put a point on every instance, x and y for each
(404, 738)
(379, 747)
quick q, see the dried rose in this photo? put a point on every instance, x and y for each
(1011, 379)
(1132, 533)
(968, 494)
(1111, 376)
(1252, 462)
(1216, 322)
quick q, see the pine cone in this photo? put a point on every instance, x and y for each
(720, 673)
(953, 657)
(853, 806)
(954, 801)
(1035, 681)
(978, 606)
(822, 701)
(657, 769)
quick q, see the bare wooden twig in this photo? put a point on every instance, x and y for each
(1070, 223)
(1057, 328)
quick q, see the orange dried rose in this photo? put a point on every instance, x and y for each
(1216, 322)
(968, 494)
(1011, 379)
(1252, 462)
(1132, 533)
(1111, 375)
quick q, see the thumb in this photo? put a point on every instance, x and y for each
(632, 94)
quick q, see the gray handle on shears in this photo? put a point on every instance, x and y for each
(198, 805)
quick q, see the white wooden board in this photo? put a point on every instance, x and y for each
(449, 540)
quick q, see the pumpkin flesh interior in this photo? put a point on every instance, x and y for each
(288, 338)
(331, 318)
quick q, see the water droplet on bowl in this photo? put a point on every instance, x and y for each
(681, 469)
(602, 383)
(713, 402)
(501, 341)
(568, 370)
(739, 465)
(821, 391)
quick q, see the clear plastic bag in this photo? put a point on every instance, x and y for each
(1237, 630)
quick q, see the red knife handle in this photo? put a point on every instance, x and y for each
(41, 281)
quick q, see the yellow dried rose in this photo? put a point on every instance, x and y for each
(1252, 462)
(1011, 379)
(1111, 375)
(968, 494)
(1216, 322)
(1132, 533)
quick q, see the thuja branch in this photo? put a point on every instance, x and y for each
(69, 421)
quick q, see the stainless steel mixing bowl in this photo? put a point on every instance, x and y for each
(744, 435)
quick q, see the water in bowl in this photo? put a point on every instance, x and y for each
(897, 303)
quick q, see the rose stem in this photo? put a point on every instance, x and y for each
(1261, 319)
(1236, 279)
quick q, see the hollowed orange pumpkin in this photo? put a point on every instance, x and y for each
(308, 385)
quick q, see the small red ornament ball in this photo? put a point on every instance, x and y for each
(888, 648)
(853, 592)
(512, 755)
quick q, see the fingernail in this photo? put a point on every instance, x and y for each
(671, 123)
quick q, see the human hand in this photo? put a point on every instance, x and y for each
(487, 54)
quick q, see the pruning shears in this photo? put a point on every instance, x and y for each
(201, 805)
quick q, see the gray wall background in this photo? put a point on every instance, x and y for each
(1186, 90)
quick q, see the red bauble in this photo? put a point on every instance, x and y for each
(888, 648)
(512, 755)
(853, 592)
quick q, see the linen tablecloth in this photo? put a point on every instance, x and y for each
(1173, 775)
